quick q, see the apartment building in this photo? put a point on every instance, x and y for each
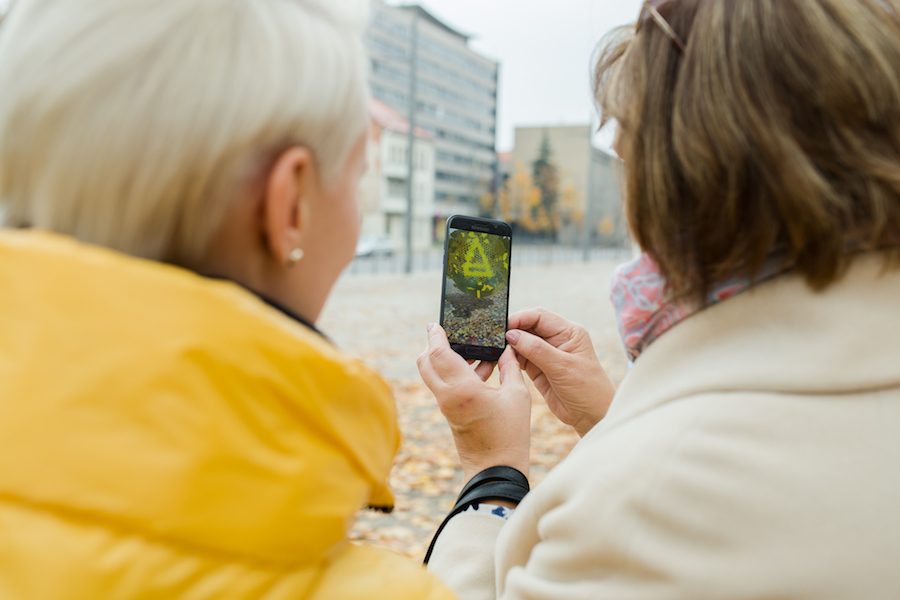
(455, 98)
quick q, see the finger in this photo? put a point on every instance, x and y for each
(426, 371)
(540, 322)
(527, 366)
(523, 362)
(536, 350)
(537, 377)
(533, 372)
(510, 373)
(450, 366)
(542, 385)
(485, 369)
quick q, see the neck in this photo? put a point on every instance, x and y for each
(291, 289)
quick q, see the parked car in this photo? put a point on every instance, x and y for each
(375, 245)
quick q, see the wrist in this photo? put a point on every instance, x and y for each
(501, 485)
(477, 453)
(472, 467)
(504, 504)
(596, 412)
(585, 424)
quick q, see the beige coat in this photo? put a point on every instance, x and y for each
(752, 452)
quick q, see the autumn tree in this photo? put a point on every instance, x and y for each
(532, 200)
(571, 209)
(516, 201)
(489, 204)
(545, 176)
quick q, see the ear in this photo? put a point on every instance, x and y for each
(290, 186)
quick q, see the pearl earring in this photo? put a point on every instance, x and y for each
(295, 256)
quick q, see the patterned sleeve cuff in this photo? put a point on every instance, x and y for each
(498, 511)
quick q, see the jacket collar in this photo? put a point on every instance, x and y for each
(273, 304)
(781, 337)
(290, 313)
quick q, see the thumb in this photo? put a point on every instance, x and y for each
(445, 362)
(436, 335)
(510, 372)
(534, 349)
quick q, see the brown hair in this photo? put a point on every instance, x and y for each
(775, 133)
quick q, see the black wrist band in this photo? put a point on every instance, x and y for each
(494, 474)
(498, 490)
(495, 483)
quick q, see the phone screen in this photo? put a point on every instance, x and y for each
(476, 290)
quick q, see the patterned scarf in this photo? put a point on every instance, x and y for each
(645, 309)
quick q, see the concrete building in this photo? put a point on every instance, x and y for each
(456, 99)
(589, 180)
(383, 189)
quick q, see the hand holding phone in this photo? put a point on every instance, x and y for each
(560, 359)
(475, 297)
(491, 425)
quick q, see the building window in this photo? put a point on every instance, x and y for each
(422, 160)
(396, 187)
(397, 155)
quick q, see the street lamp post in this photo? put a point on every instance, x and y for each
(411, 138)
(587, 240)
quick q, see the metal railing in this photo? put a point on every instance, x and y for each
(523, 255)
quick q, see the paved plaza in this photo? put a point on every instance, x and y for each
(382, 319)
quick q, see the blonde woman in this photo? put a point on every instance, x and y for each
(752, 451)
(181, 176)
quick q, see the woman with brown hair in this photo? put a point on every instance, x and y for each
(752, 450)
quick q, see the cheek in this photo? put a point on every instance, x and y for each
(345, 220)
(351, 210)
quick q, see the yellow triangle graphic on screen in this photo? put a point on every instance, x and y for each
(480, 267)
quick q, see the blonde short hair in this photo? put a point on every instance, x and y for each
(133, 123)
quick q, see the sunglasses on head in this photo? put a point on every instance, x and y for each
(650, 12)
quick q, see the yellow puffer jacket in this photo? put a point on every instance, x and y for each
(169, 436)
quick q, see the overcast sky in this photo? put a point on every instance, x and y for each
(544, 49)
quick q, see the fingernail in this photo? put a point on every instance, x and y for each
(513, 337)
(430, 326)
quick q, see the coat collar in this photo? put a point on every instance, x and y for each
(780, 337)
(274, 304)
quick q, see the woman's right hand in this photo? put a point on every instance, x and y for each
(560, 359)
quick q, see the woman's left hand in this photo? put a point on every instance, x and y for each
(491, 425)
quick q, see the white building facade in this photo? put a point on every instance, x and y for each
(383, 191)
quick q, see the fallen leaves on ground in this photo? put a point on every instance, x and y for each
(426, 476)
(476, 321)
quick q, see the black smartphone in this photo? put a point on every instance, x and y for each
(475, 294)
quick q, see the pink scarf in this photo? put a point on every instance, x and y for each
(645, 309)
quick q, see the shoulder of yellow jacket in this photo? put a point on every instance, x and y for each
(65, 260)
(365, 572)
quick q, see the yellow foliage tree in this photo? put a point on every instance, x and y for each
(521, 201)
(606, 227)
(570, 211)
(488, 203)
